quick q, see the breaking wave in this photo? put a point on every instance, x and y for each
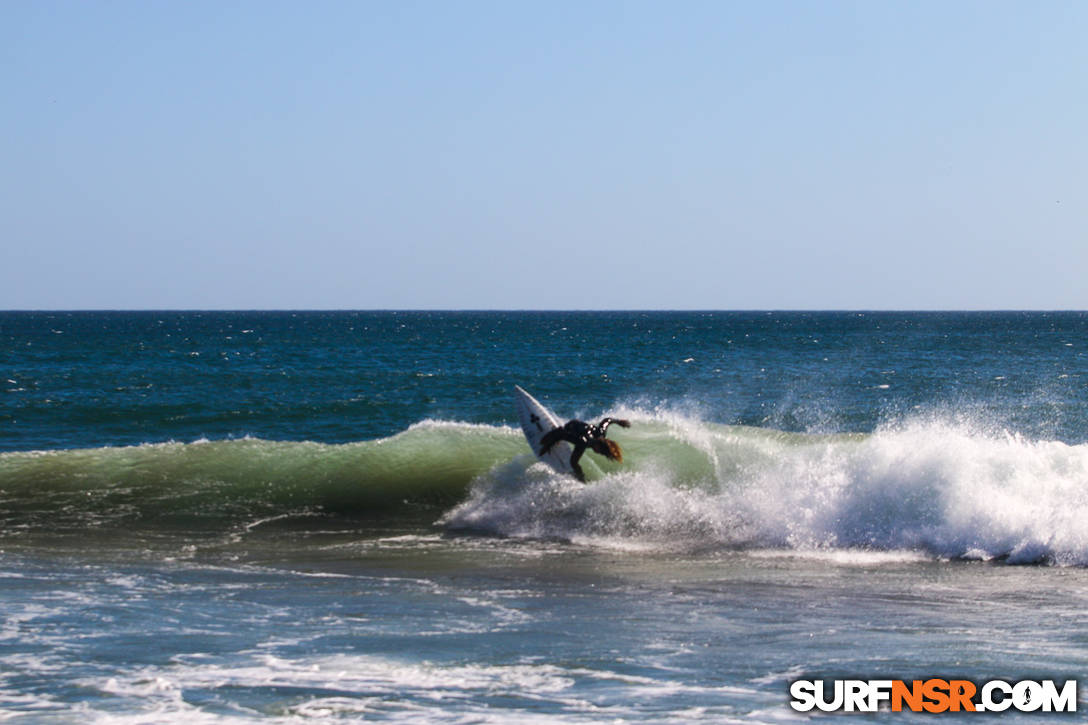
(947, 489)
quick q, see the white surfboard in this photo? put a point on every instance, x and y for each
(536, 420)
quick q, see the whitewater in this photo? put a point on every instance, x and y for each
(320, 517)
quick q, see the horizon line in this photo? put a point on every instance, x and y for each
(763, 310)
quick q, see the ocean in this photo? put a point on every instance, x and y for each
(333, 516)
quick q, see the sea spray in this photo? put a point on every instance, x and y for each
(949, 490)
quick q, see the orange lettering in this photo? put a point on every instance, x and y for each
(912, 695)
(937, 692)
(961, 692)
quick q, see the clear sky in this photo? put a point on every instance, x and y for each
(555, 155)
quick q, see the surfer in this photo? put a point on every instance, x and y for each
(581, 434)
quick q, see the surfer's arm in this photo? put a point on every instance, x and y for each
(579, 449)
(603, 425)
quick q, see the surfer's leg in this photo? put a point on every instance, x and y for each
(550, 439)
(579, 449)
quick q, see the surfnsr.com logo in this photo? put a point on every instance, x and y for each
(933, 695)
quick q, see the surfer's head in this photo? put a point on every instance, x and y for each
(608, 449)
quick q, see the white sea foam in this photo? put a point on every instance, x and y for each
(948, 489)
(349, 686)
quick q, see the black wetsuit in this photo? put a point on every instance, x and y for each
(579, 434)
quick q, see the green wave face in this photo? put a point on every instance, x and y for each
(210, 482)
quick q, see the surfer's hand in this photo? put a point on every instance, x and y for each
(623, 423)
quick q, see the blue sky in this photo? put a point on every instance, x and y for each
(551, 155)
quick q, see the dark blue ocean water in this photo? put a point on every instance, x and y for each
(88, 379)
(238, 516)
